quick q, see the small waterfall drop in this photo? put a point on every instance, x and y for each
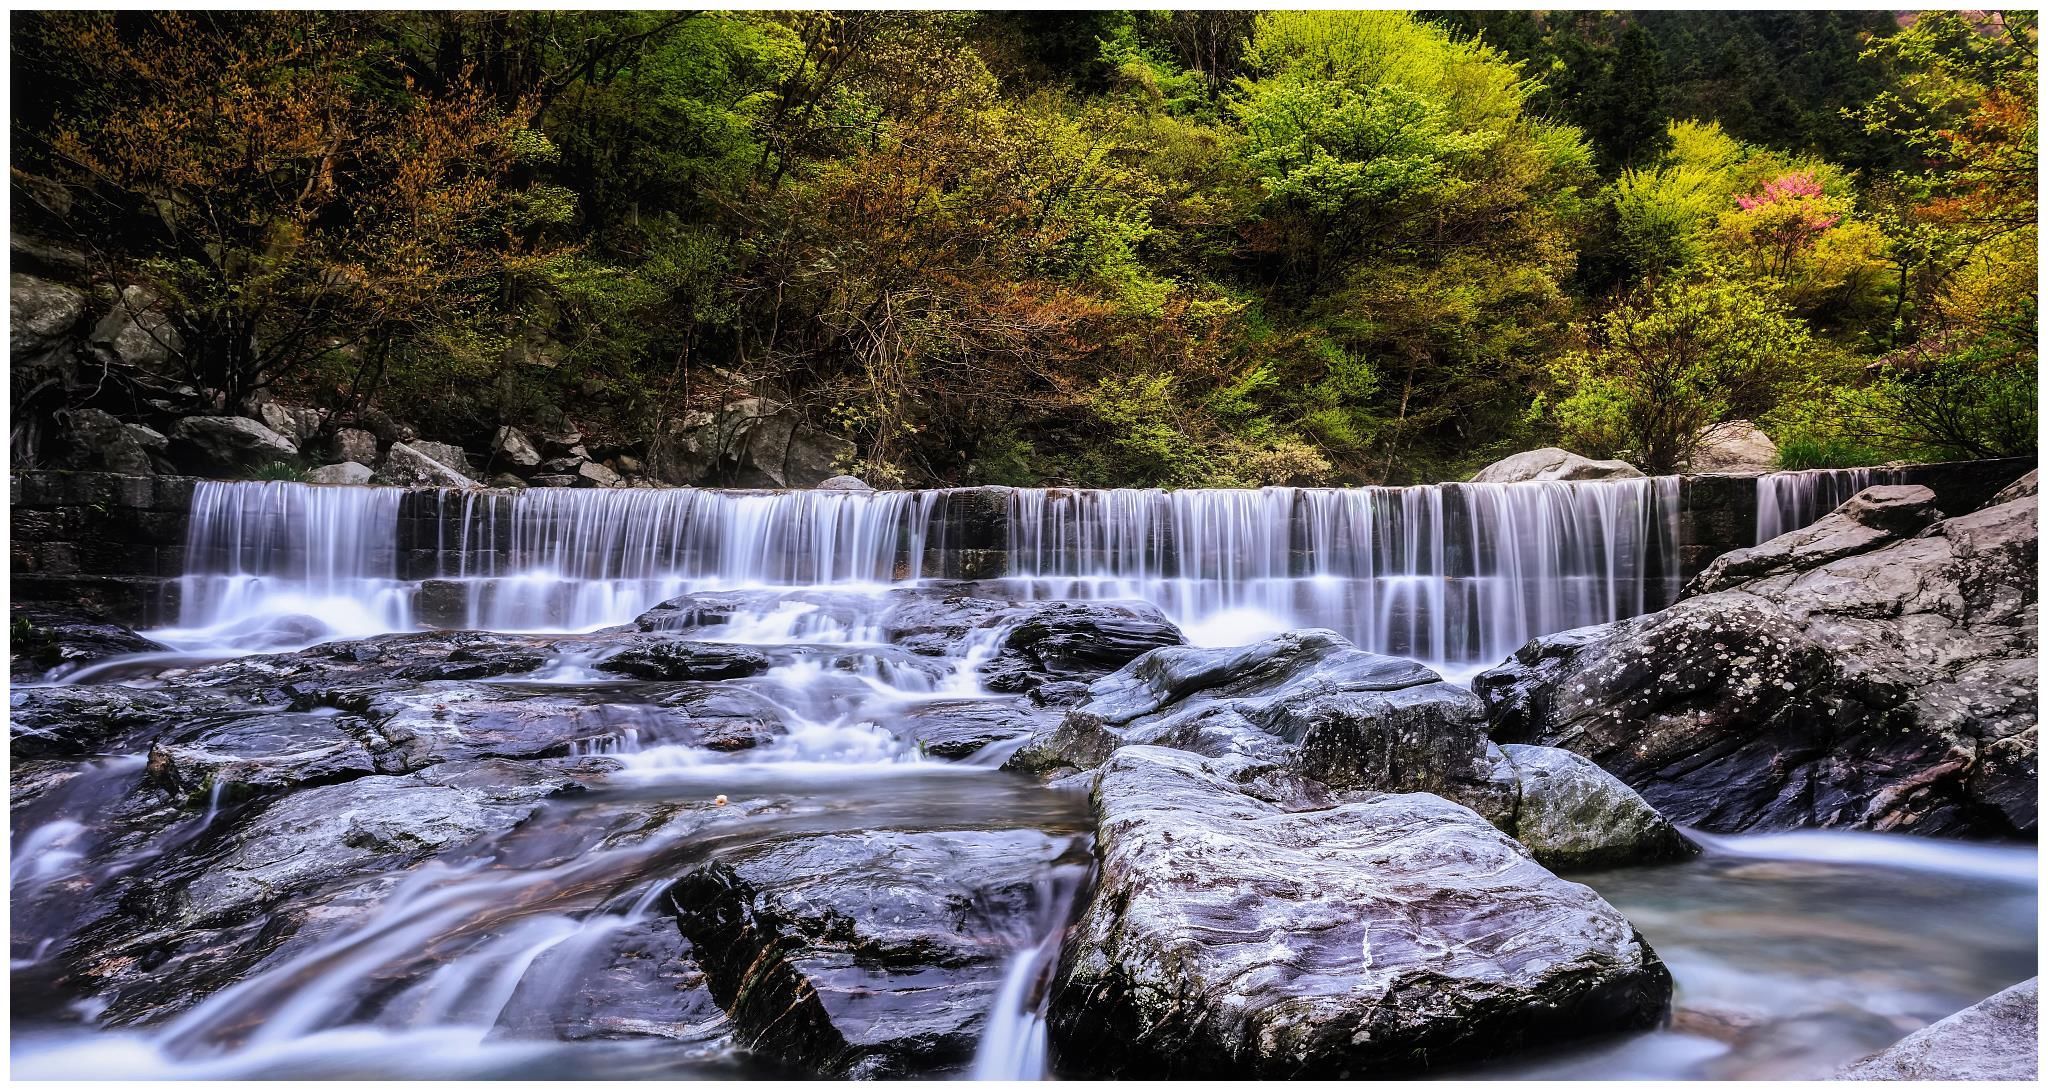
(277, 564)
(569, 560)
(1793, 499)
(1452, 575)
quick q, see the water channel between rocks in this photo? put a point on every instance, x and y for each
(575, 840)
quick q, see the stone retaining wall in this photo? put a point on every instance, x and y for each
(117, 542)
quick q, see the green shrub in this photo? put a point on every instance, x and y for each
(1826, 453)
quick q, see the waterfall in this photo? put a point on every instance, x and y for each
(1453, 575)
(271, 563)
(1788, 501)
(577, 559)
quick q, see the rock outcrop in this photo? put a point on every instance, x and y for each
(1553, 464)
(752, 443)
(1231, 938)
(1306, 719)
(1994, 1039)
(1854, 674)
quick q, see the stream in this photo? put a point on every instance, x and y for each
(548, 945)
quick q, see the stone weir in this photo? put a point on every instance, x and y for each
(126, 544)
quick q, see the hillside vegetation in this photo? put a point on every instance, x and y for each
(1105, 248)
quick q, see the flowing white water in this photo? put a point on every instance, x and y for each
(1788, 501)
(1456, 576)
(271, 564)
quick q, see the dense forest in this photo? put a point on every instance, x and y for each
(1099, 248)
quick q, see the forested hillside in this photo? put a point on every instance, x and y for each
(1102, 248)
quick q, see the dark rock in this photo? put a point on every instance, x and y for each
(669, 660)
(864, 955)
(102, 442)
(507, 481)
(1050, 641)
(77, 721)
(355, 445)
(961, 728)
(239, 757)
(1994, 1039)
(551, 481)
(386, 428)
(1228, 938)
(510, 446)
(48, 637)
(228, 444)
(1892, 689)
(1214, 701)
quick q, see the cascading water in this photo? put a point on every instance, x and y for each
(1787, 501)
(579, 559)
(1456, 576)
(277, 564)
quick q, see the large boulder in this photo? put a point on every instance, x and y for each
(407, 465)
(511, 447)
(100, 441)
(1888, 689)
(229, 444)
(447, 454)
(865, 954)
(298, 425)
(749, 443)
(1049, 641)
(355, 445)
(1733, 446)
(1553, 464)
(1229, 938)
(1994, 1039)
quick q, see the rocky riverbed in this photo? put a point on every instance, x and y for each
(936, 830)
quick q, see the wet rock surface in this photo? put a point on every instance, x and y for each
(47, 638)
(866, 955)
(1997, 1039)
(1232, 938)
(1890, 687)
(1308, 719)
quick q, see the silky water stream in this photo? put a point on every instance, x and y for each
(542, 936)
